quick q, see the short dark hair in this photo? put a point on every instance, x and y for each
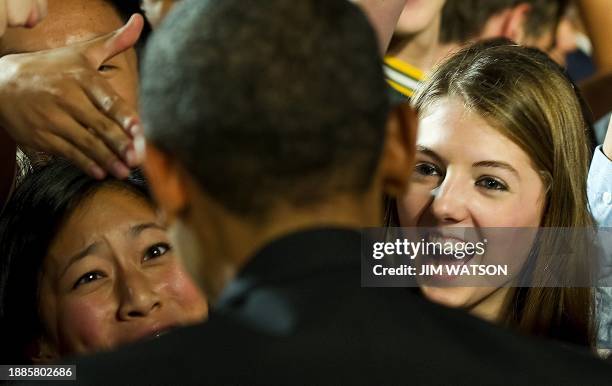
(28, 225)
(463, 20)
(267, 101)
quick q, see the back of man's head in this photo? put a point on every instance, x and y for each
(266, 102)
(463, 20)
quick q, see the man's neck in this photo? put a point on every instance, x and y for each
(232, 241)
(419, 50)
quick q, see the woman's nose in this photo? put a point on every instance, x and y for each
(449, 204)
(138, 297)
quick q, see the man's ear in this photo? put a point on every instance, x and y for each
(508, 23)
(397, 160)
(513, 26)
(41, 352)
(165, 178)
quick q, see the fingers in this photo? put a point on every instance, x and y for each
(63, 148)
(106, 100)
(90, 146)
(102, 49)
(115, 137)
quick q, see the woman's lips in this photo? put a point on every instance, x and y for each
(448, 240)
(452, 243)
(150, 332)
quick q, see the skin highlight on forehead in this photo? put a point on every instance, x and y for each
(68, 22)
(85, 226)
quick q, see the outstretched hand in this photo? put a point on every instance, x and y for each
(56, 101)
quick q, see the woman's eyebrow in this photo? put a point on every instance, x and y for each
(428, 152)
(136, 230)
(91, 248)
(496, 164)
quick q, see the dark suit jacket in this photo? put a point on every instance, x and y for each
(297, 315)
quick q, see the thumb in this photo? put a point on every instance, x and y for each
(99, 50)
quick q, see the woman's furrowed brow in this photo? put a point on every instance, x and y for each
(90, 249)
(136, 230)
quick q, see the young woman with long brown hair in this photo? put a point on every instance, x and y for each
(502, 143)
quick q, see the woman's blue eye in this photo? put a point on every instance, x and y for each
(156, 251)
(491, 184)
(88, 278)
(427, 170)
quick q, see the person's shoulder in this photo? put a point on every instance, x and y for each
(383, 335)
(184, 356)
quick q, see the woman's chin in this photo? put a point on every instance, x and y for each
(454, 297)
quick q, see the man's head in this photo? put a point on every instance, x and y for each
(73, 21)
(527, 22)
(156, 10)
(268, 114)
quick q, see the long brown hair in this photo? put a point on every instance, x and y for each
(528, 99)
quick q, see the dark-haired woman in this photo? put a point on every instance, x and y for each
(86, 265)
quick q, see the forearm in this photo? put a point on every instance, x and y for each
(597, 16)
(384, 15)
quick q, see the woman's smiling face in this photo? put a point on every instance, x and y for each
(111, 277)
(469, 175)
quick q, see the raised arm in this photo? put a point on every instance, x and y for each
(597, 16)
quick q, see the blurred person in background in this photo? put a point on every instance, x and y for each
(413, 50)
(427, 31)
(557, 27)
(86, 265)
(596, 16)
(530, 23)
(573, 48)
